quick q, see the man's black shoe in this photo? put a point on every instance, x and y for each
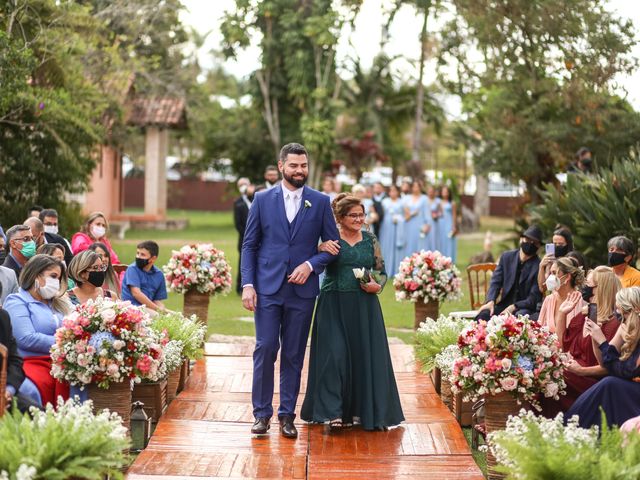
(287, 428)
(260, 426)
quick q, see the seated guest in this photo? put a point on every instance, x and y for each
(25, 392)
(8, 283)
(49, 218)
(95, 229)
(617, 395)
(143, 282)
(515, 279)
(3, 246)
(600, 289)
(112, 280)
(565, 277)
(88, 272)
(34, 211)
(621, 254)
(563, 244)
(21, 248)
(57, 251)
(36, 313)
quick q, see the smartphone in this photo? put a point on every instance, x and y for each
(550, 249)
(592, 312)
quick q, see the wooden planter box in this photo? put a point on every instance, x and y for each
(462, 410)
(436, 379)
(184, 374)
(154, 397)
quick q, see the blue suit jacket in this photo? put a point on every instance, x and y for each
(504, 277)
(270, 252)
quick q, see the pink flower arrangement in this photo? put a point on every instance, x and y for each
(104, 341)
(509, 354)
(199, 266)
(426, 276)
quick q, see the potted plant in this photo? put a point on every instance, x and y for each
(198, 271)
(189, 334)
(105, 346)
(508, 360)
(432, 337)
(427, 278)
(68, 441)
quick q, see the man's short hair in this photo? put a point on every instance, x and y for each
(47, 212)
(271, 168)
(150, 246)
(294, 148)
(581, 151)
(36, 208)
(13, 231)
(622, 243)
(35, 224)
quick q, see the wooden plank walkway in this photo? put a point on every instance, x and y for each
(205, 433)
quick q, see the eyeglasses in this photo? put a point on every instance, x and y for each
(355, 216)
(23, 239)
(97, 268)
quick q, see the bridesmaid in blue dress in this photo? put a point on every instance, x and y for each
(432, 214)
(618, 395)
(392, 238)
(447, 228)
(414, 215)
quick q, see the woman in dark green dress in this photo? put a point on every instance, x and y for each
(351, 377)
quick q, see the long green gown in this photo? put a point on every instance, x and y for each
(350, 370)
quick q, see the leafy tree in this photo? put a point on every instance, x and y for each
(595, 207)
(536, 81)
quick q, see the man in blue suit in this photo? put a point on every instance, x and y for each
(515, 280)
(280, 267)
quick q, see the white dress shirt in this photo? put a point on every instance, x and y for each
(292, 200)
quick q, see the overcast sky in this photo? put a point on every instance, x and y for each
(204, 16)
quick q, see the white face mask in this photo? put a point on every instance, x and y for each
(52, 229)
(98, 232)
(552, 283)
(50, 289)
(243, 189)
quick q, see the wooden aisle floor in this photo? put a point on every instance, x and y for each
(205, 433)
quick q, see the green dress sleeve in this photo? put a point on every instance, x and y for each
(378, 263)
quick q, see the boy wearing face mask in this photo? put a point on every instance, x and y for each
(143, 282)
(515, 280)
(621, 254)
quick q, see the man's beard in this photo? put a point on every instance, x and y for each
(298, 183)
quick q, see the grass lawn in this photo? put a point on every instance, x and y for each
(226, 315)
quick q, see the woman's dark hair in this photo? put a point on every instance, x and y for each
(343, 203)
(579, 258)
(36, 266)
(565, 233)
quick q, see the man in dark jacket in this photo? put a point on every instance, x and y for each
(240, 215)
(515, 280)
(49, 218)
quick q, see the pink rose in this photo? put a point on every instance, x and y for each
(508, 384)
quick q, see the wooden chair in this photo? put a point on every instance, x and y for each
(479, 279)
(4, 363)
(119, 268)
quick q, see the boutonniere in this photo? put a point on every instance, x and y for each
(307, 204)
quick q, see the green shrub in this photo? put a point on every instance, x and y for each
(70, 442)
(595, 207)
(188, 331)
(434, 336)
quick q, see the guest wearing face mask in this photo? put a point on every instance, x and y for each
(600, 291)
(143, 282)
(57, 251)
(515, 280)
(95, 229)
(21, 248)
(621, 255)
(3, 245)
(565, 277)
(36, 313)
(240, 215)
(562, 244)
(618, 395)
(88, 272)
(49, 218)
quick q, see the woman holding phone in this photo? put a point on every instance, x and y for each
(584, 371)
(562, 244)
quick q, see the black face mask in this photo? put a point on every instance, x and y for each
(528, 248)
(561, 250)
(96, 278)
(587, 293)
(142, 262)
(615, 259)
